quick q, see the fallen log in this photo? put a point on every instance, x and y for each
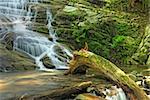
(109, 70)
(58, 94)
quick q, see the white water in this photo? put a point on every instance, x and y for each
(18, 13)
(115, 94)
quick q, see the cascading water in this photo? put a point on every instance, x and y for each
(115, 94)
(18, 14)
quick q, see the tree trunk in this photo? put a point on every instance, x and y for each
(109, 70)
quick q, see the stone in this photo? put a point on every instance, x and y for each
(87, 96)
(69, 9)
(147, 83)
(14, 61)
(7, 40)
(47, 62)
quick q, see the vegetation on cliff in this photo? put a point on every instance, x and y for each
(112, 28)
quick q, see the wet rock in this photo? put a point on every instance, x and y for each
(40, 22)
(7, 40)
(138, 83)
(147, 82)
(144, 83)
(96, 91)
(14, 61)
(115, 93)
(47, 62)
(87, 96)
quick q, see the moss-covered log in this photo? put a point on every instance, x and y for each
(109, 70)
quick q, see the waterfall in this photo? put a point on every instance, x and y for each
(18, 13)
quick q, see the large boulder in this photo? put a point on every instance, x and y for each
(14, 61)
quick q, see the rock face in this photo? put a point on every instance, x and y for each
(114, 35)
(14, 61)
(142, 56)
(114, 32)
(40, 23)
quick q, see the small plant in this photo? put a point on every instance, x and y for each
(117, 40)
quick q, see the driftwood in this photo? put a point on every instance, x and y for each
(58, 94)
(109, 70)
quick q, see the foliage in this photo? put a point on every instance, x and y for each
(117, 40)
(136, 6)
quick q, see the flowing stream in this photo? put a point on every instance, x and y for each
(17, 14)
(115, 93)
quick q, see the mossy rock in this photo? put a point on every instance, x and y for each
(80, 21)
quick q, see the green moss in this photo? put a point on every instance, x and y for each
(117, 40)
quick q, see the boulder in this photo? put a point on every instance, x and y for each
(47, 62)
(14, 61)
